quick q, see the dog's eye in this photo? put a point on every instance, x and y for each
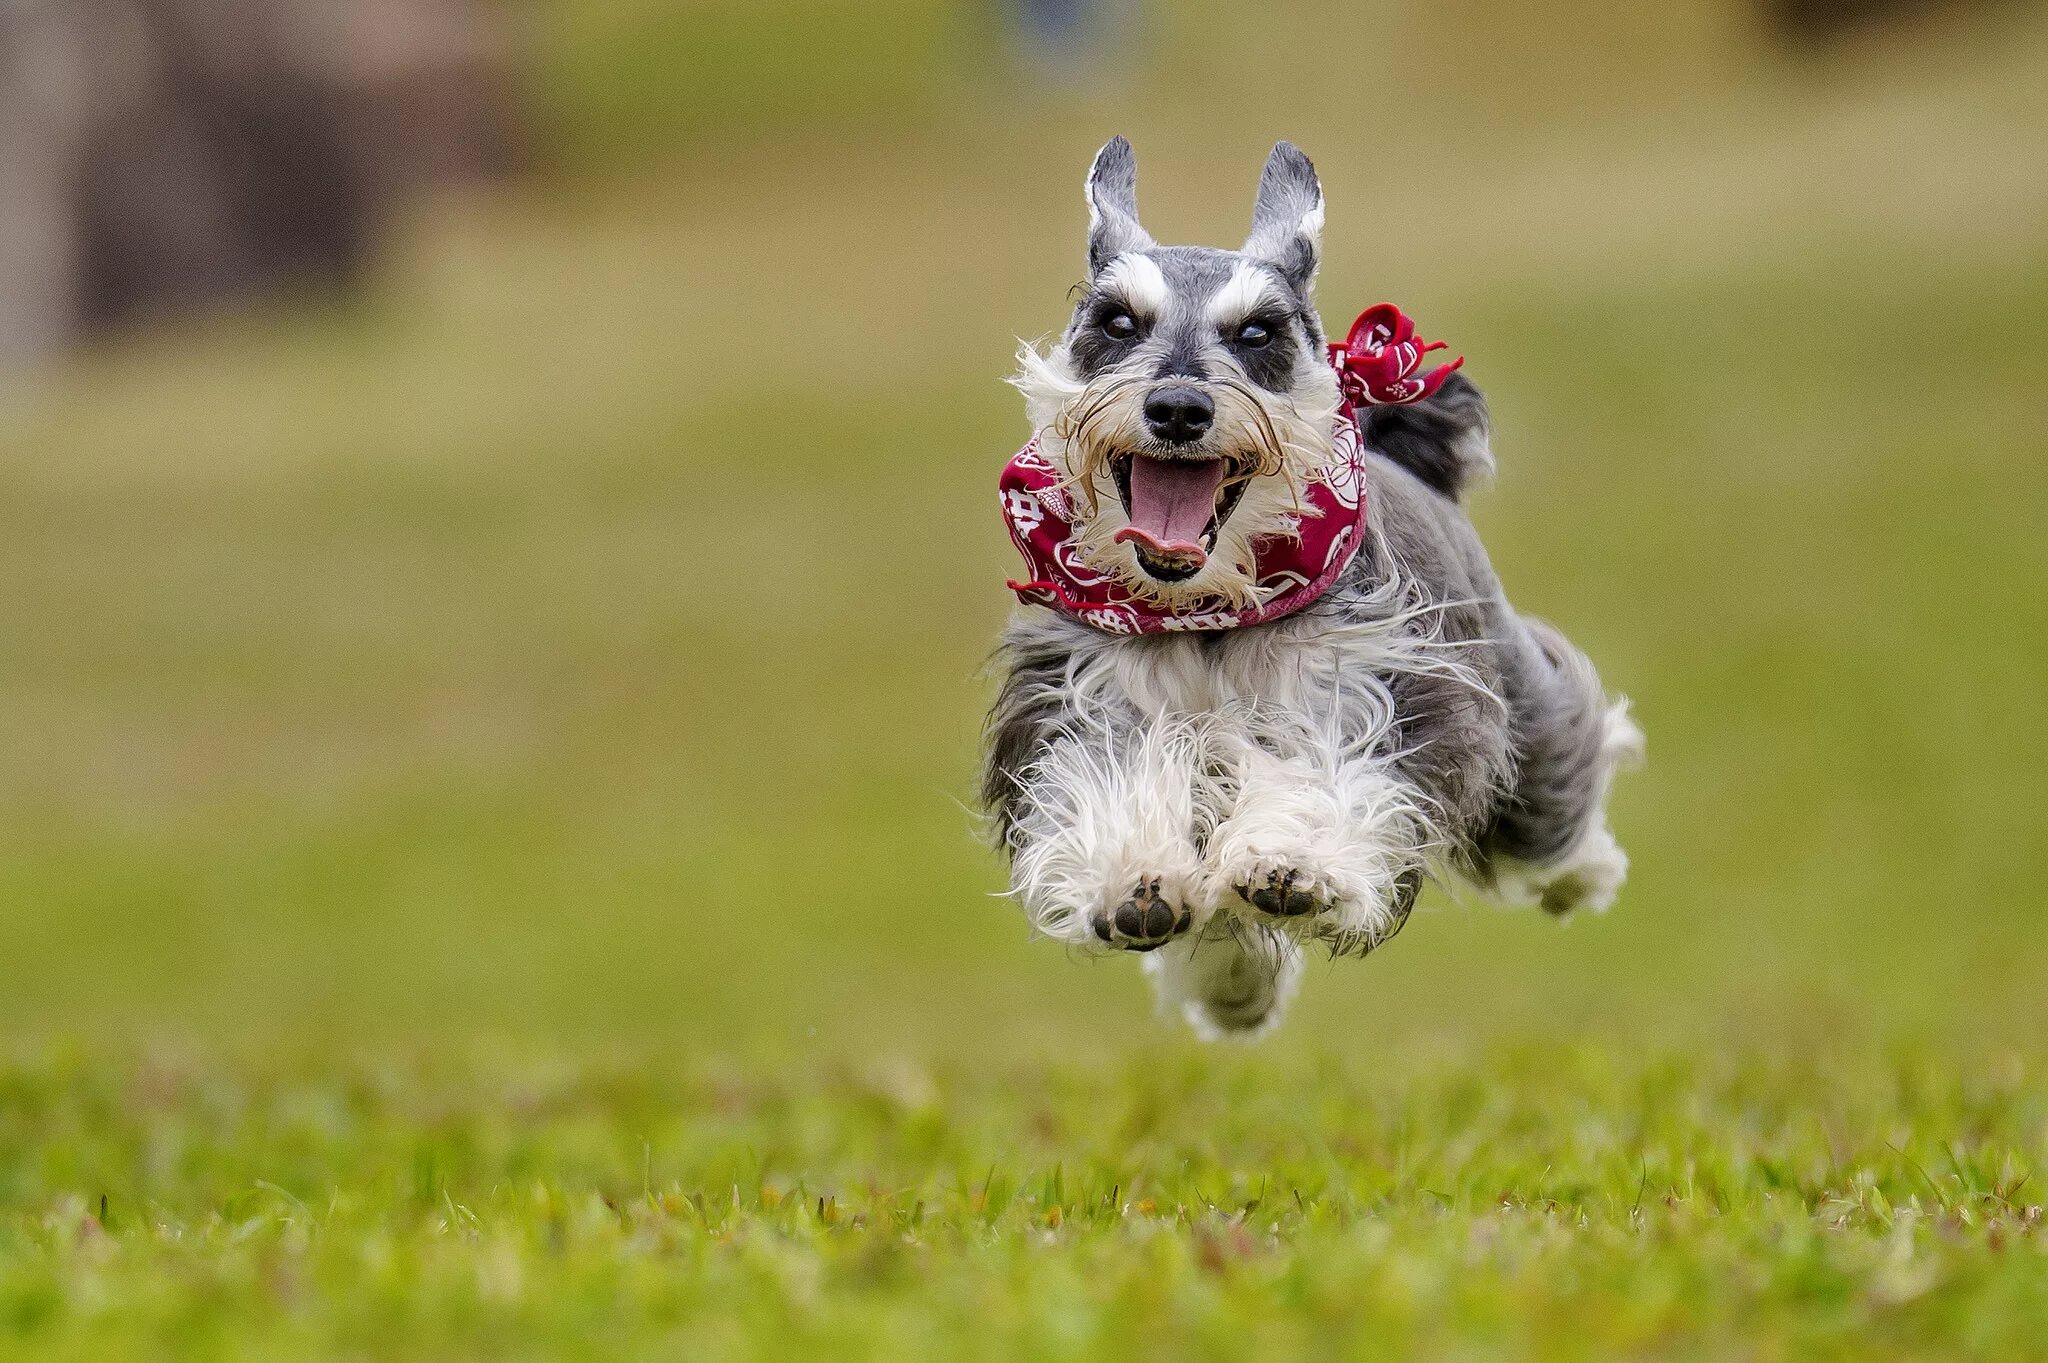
(1253, 335)
(1120, 326)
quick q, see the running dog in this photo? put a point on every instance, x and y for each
(1263, 680)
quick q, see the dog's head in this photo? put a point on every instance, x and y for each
(1189, 400)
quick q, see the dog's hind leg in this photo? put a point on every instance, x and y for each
(1550, 844)
(1233, 979)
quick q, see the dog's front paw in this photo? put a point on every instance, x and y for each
(1286, 892)
(1346, 917)
(1147, 918)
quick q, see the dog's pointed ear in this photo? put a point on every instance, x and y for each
(1287, 221)
(1113, 205)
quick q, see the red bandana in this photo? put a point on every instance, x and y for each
(1291, 568)
(1376, 363)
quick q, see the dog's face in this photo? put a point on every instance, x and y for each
(1189, 400)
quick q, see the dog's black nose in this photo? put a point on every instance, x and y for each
(1178, 414)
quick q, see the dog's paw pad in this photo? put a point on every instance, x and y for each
(1284, 893)
(1143, 922)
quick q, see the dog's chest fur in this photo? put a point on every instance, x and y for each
(1216, 672)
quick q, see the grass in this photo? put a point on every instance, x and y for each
(1539, 1200)
(451, 911)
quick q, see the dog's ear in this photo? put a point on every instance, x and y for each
(1287, 221)
(1113, 205)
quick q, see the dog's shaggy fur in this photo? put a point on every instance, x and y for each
(1221, 798)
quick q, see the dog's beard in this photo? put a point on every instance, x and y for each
(1270, 444)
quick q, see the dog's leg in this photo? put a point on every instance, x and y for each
(1551, 844)
(1329, 838)
(1103, 834)
(1232, 979)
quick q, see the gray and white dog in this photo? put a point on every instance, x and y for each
(1221, 798)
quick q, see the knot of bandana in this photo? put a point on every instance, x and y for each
(1290, 568)
(1376, 363)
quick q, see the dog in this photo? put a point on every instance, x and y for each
(1266, 682)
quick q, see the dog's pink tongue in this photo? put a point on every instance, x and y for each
(1173, 499)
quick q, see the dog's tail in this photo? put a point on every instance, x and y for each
(1443, 439)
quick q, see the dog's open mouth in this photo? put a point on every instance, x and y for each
(1176, 508)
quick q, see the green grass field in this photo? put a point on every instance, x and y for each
(1534, 1200)
(448, 915)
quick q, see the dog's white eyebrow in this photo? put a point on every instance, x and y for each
(1139, 280)
(1249, 287)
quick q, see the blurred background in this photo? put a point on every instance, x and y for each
(497, 533)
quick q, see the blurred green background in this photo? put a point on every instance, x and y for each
(574, 633)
